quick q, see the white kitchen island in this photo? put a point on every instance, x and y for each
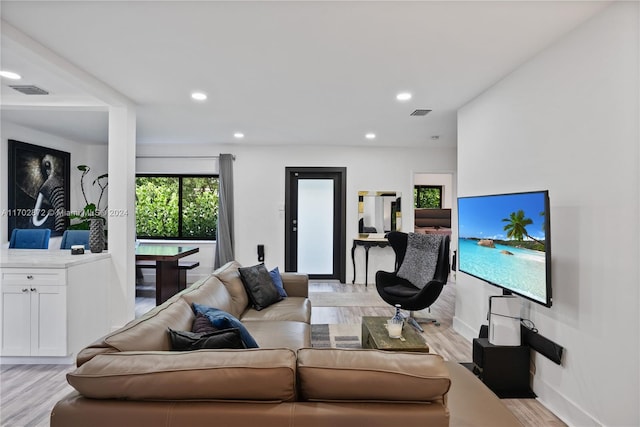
(52, 304)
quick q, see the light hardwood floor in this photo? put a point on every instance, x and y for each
(441, 339)
(29, 392)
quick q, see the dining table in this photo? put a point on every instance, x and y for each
(167, 272)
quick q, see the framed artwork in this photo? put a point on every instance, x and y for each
(38, 187)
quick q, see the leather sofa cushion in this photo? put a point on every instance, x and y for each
(150, 331)
(230, 277)
(371, 375)
(210, 292)
(280, 334)
(75, 410)
(295, 309)
(228, 375)
(295, 284)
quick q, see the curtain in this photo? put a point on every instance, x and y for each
(224, 234)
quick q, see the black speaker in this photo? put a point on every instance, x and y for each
(542, 345)
(260, 253)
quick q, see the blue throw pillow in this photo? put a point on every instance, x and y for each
(223, 320)
(277, 280)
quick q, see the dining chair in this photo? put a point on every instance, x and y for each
(30, 238)
(74, 237)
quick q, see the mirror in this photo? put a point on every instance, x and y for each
(378, 212)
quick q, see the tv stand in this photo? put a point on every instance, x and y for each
(504, 369)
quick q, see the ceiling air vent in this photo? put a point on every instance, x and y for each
(420, 112)
(29, 89)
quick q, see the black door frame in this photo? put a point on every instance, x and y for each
(339, 176)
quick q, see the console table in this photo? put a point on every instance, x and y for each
(367, 243)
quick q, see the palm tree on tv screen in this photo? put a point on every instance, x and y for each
(517, 227)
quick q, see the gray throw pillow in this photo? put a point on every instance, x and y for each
(419, 264)
(259, 285)
(187, 341)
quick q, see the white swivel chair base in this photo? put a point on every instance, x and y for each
(416, 322)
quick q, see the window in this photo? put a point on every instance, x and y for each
(176, 206)
(427, 196)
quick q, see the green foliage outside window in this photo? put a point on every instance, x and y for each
(427, 197)
(176, 207)
(199, 207)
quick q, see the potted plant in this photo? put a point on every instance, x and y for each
(91, 217)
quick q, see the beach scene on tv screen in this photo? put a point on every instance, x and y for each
(502, 240)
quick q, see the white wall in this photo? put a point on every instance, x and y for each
(94, 156)
(259, 190)
(567, 121)
(260, 184)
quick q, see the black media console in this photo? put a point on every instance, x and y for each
(504, 369)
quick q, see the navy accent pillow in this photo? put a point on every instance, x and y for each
(187, 341)
(277, 280)
(223, 320)
(259, 286)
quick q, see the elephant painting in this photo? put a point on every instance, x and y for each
(38, 187)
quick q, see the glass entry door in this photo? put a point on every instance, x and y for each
(315, 226)
(315, 215)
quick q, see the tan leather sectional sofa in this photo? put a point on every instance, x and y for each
(131, 378)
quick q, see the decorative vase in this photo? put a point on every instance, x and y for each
(398, 317)
(96, 236)
(395, 324)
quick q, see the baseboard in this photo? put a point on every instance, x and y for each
(570, 413)
(464, 329)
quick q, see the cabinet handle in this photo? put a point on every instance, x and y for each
(30, 277)
(25, 290)
(34, 290)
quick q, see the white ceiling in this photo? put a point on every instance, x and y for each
(295, 72)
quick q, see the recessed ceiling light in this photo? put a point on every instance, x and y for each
(199, 96)
(370, 136)
(435, 137)
(10, 75)
(238, 135)
(403, 96)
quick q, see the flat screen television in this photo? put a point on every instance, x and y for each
(504, 239)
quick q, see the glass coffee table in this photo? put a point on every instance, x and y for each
(375, 335)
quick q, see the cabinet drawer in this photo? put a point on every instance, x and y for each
(33, 277)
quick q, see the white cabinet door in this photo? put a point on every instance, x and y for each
(48, 321)
(48, 313)
(16, 320)
(34, 312)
